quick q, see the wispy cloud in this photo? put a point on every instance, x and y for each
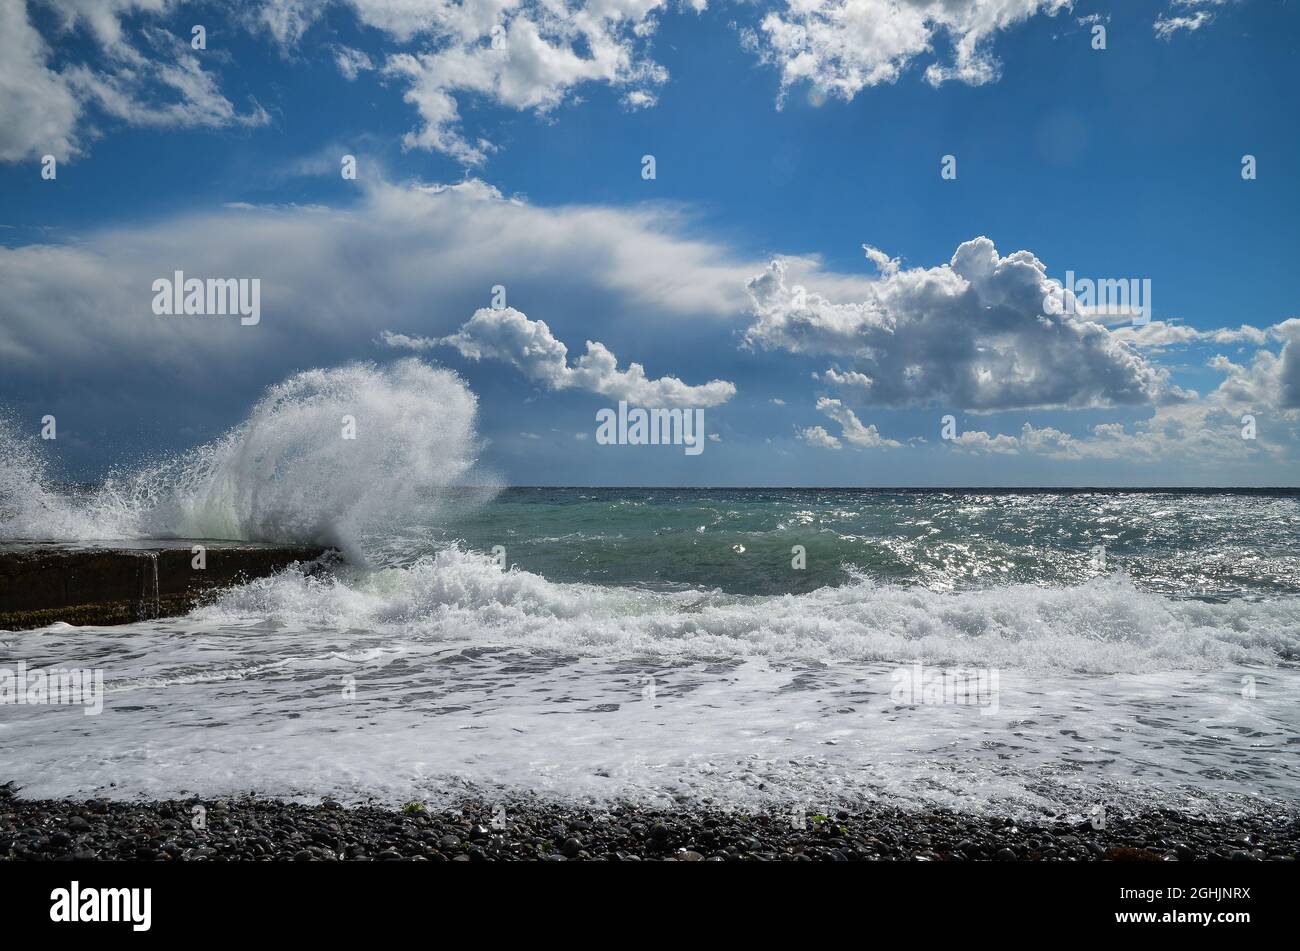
(140, 75)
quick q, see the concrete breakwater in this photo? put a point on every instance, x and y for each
(120, 582)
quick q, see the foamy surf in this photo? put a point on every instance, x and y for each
(221, 709)
(461, 598)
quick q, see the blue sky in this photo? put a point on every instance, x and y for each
(1116, 163)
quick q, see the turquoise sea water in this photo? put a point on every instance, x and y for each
(1214, 545)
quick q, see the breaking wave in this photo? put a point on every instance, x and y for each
(289, 473)
(459, 597)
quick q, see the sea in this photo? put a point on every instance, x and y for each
(1048, 653)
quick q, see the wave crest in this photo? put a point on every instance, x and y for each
(1106, 625)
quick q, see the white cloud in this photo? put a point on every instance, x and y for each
(845, 46)
(413, 260)
(159, 83)
(819, 437)
(1197, 14)
(528, 55)
(851, 429)
(38, 112)
(848, 380)
(1270, 380)
(1166, 27)
(884, 263)
(1159, 335)
(1288, 370)
(351, 63)
(506, 334)
(404, 342)
(166, 87)
(1204, 431)
(288, 20)
(970, 334)
(978, 441)
(430, 255)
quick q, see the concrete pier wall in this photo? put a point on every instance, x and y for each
(117, 583)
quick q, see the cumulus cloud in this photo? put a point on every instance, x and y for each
(845, 46)
(1204, 431)
(527, 55)
(977, 441)
(970, 334)
(848, 380)
(1288, 370)
(1269, 380)
(819, 437)
(506, 334)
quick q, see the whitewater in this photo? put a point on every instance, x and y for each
(657, 645)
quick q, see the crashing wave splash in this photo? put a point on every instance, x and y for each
(286, 474)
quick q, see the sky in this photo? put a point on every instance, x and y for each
(838, 227)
